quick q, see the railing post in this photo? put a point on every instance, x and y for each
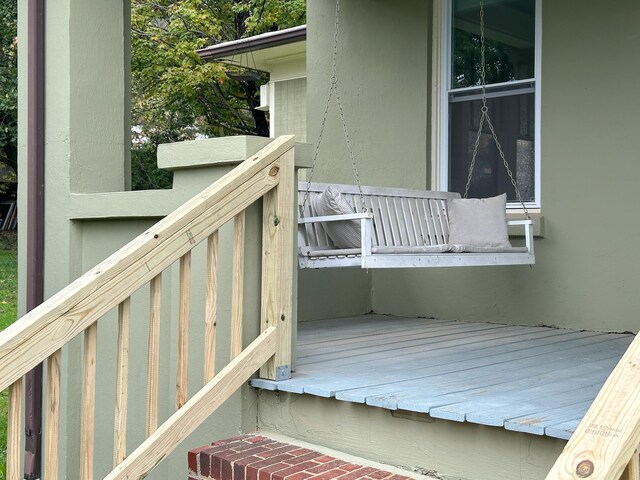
(278, 265)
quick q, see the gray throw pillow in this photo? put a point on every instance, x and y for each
(479, 222)
(343, 234)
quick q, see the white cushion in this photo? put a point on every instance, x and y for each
(343, 234)
(479, 222)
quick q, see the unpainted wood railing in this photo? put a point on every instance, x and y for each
(605, 444)
(40, 335)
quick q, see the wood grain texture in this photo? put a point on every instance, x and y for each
(197, 409)
(52, 417)
(211, 308)
(48, 327)
(182, 370)
(277, 266)
(237, 286)
(153, 353)
(14, 432)
(608, 435)
(122, 383)
(88, 402)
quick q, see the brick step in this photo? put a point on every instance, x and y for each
(259, 457)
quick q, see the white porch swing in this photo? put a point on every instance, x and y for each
(381, 227)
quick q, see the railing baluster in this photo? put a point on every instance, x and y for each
(52, 417)
(632, 472)
(122, 383)
(153, 354)
(238, 284)
(183, 330)
(211, 308)
(88, 402)
(14, 432)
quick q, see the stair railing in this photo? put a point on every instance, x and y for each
(605, 444)
(40, 335)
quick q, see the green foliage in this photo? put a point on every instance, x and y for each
(175, 95)
(9, 83)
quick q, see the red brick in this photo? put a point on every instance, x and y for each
(350, 467)
(250, 473)
(266, 472)
(379, 475)
(280, 450)
(294, 469)
(192, 457)
(400, 477)
(300, 451)
(363, 472)
(304, 458)
(325, 459)
(299, 476)
(250, 452)
(271, 461)
(329, 475)
(255, 438)
(206, 459)
(326, 466)
(238, 471)
(226, 470)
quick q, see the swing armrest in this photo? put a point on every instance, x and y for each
(528, 231)
(366, 227)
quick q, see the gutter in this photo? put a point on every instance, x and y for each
(251, 44)
(35, 223)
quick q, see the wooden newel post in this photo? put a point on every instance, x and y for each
(277, 265)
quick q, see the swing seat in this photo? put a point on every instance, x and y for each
(401, 228)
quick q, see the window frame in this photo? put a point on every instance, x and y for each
(443, 25)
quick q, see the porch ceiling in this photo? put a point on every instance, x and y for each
(538, 380)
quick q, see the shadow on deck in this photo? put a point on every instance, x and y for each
(538, 380)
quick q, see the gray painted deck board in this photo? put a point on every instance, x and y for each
(537, 380)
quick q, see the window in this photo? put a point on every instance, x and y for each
(511, 72)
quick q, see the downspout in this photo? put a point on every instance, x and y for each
(35, 224)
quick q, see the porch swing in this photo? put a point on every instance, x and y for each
(382, 227)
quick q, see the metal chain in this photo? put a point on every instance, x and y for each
(333, 89)
(484, 116)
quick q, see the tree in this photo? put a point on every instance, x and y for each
(175, 95)
(9, 83)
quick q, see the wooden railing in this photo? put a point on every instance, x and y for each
(40, 335)
(605, 444)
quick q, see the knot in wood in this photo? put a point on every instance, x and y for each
(274, 171)
(585, 469)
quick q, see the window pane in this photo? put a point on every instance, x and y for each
(509, 41)
(513, 119)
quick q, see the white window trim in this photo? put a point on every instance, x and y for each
(440, 113)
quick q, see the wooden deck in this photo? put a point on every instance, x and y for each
(538, 380)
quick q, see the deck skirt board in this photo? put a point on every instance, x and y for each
(537, 380)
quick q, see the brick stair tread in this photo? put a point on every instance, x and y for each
(259, 457)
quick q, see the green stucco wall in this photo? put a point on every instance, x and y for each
(587, 270)
(452, 450)
(383, 84)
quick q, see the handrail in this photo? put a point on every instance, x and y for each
(41, 334)
(51, 325)
(603, 445)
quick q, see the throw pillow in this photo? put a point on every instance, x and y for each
(343, 234)
(479, 222)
